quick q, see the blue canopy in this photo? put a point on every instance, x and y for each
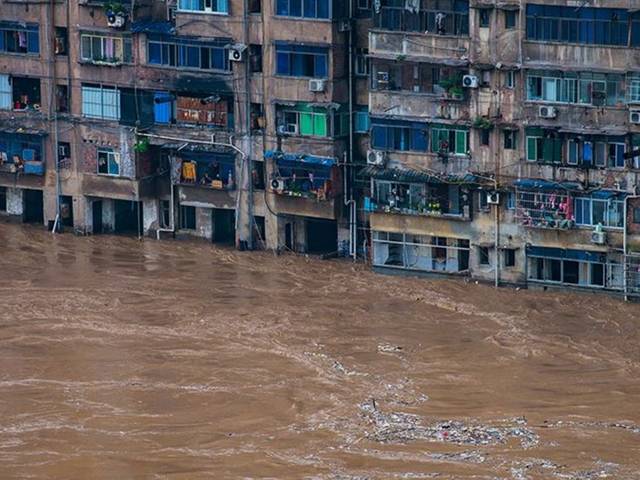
(299, 158)
(539, 184)
(150, 26)
(566, 254)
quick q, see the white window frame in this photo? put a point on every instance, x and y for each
(111, 156)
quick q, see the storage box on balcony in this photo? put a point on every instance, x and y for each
(34, 168)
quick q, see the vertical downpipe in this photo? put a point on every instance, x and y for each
(53, 114)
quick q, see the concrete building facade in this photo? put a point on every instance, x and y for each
(495, 139)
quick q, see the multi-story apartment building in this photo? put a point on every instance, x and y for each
(507, 140)
(498, 139)
(228, 120)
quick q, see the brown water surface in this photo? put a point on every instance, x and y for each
(122, 359)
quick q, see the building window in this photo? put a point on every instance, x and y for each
(311, 121)
(108, 162)
(187, 217)
(6, 94)
(258, 118)
(255, 58)
(61, 42)
(420, 252)
(26, 93)
(485, 136)
(596, 151)
(636, 215)
(544, 146)
(185, 53)
(165, 214)
(483, 255)
(101, 102)
(594, 211)
(398, 135)
(362, 62)
(446, 140)
(302, 61)
(511, 201)
(64, 154)
(257, 175)
(362, 122)
(510, 79)
(597, 89)
(303, 9)
(255, 6)
(510, 139)
(19, 38)
(585, 25)
(105, 49)
(510, 19)
(509, 257)
(62, 98)
(204, 6)
(3, 199)
(441, 17)
(485, 17)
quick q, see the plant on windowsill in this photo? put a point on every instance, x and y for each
(141, 145)
(453, 86)
(482, 123)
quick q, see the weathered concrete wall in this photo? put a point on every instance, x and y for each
(15, 201)
(150, 213)
(204, 223)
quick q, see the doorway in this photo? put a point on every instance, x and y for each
(224, 226)
(66, 211)
(128, 217)
(33, 207)
(96, 216)
(322, 236)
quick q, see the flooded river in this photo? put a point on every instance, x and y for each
(122, 359)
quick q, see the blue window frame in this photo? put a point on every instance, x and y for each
(362, 120)
(399, 135)
(585, 25)
(183, 52)
(304, 8)
(301, 60)
(204, 6)
(19, 38)
(162, 107)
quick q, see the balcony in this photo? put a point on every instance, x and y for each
(305, 185)
(420, 47)
(120, 188)
(21, 158)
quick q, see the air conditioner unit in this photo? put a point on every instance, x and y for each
(116, 20)
(277, 185)
(634, 116)
(493, 198)
(236, 52)
(376, 157)
(316, 85)
(470, 81)
(598, 237)
(547, 112)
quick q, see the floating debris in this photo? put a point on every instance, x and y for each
(402, 427)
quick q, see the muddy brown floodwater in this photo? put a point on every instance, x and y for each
(122, 359)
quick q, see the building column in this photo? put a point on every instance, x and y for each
(50, 205)
(82, 215)
(15, 201)
(204, 223)
(150, 216)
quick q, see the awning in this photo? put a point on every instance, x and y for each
(197, 148)
(566, 66)
(546, 185)
(607, 194)
(566, 254)
(23, 131)
(208, 84)
(299, 158)
(416, 176)
(609, 131)
(450, 62)
(150, 26)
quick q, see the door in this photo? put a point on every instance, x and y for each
(96, 214)
(224, 226)
(33, 207)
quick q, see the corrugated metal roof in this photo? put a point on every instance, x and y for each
(150, 26)
(22, 131)
(415, 176)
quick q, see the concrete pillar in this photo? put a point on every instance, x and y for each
(300, 232)
(108, 215)
(82, 215)
(273, 231)
(150, 216)
(15, 201)
(204, 223)
(50, 205)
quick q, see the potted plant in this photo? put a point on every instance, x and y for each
(141, 145)
(453, 86)
(482, 123)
